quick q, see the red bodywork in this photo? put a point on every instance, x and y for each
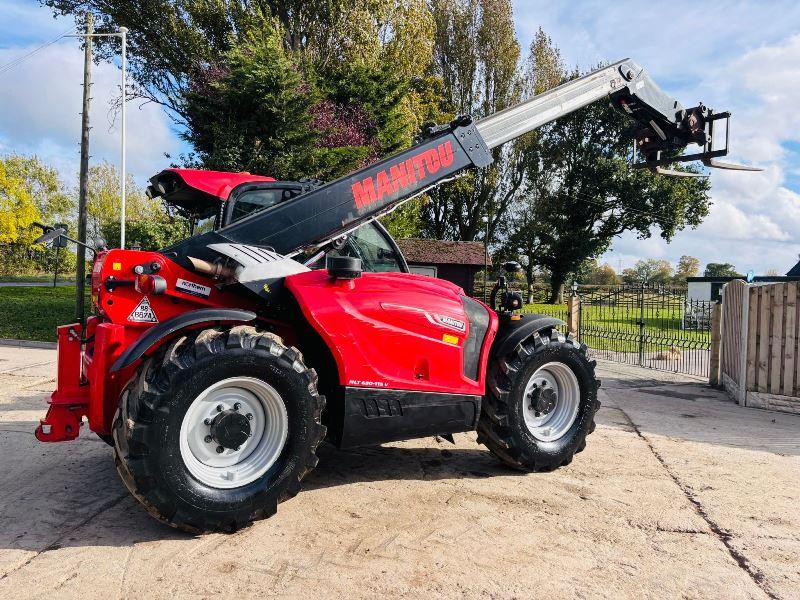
(392, 330)
(85, 385)
(384, 330)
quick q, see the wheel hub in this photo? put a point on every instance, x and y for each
(551, 401)
(233, 432)
(543, 400)
(230, 429)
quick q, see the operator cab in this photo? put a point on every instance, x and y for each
(214, 199)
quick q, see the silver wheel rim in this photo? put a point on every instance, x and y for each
(559, 383)
(269, 428)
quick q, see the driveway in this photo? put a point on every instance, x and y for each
(679, 493)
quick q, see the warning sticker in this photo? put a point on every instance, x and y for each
(143, 313)
(192, 288)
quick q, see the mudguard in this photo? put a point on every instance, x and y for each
(512, 333)
(154, 335)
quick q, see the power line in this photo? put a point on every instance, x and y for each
(10, 65)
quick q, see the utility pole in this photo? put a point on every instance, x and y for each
(83, 179)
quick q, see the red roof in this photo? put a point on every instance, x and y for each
(443, 252)
(216, 183)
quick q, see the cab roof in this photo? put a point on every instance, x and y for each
(196, 190)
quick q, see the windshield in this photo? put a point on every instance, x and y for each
(372, 245)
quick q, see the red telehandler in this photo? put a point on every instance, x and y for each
(216, 367)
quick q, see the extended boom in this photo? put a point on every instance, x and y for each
(323, 214)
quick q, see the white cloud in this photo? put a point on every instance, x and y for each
(40, 104)
(726, 56)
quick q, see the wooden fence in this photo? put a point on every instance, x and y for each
(759, 345)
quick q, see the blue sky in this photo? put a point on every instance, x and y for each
(737, 56)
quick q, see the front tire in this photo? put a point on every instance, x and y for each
(218, 427)
(540, 403)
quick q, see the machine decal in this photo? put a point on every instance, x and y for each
(402, 175)
(451, 322)
(363, 383)
(192, 288)
(143, 313)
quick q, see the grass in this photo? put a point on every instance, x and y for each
(33, 313)
(43, 278)
(618, 331)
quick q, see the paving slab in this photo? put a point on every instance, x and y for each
(679, 493)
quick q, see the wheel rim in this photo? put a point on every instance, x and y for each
(203, 434)
(551, 401)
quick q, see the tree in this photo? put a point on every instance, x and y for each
(18, 211)
(52, 203)
(650, 271)
(147, 223)
(544, 69)
(475, 54)
(268, 86)
(688, 266)
(582, 192)
(720, 270)
(598, 274)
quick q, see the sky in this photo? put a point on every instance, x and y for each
(737, 56)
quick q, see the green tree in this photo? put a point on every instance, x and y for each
(688, 266)
(52, 203)
(651, 271)
(476, 55)
(583, 193)
(147, 223)
(285, 88)
(720, 270)
(41, 181)
(544, 69)
(104, 200)
(598, 274)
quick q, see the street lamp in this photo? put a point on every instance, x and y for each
(121, 33)
(485, 256)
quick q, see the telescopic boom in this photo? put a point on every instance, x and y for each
(323, 214)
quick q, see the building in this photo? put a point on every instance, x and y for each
(710, 288)
(457, 262)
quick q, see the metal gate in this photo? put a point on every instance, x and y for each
(647, 325)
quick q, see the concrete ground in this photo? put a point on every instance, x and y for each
(679, 493)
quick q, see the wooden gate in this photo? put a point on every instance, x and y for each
(759, 349)
(734, 323)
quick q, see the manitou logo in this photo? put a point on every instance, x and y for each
(402, 175)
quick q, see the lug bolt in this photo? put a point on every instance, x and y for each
(207, 439)
(220, 408)
(207, 422)
(220, 449)
(249, 416)
(237, 406)
(236, 449)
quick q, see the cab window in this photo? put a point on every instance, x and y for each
(204, 224)
(372, 245)
(255, 200)
(374, 250)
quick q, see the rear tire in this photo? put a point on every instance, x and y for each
(540, 403)
(238, 470)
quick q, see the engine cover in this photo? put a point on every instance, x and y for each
(398, 330)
